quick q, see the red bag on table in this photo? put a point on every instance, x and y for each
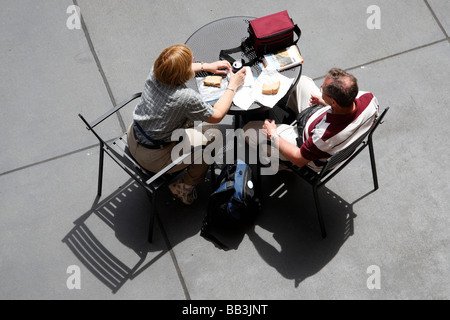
(272, 33)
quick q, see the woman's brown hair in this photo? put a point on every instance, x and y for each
(174, 65)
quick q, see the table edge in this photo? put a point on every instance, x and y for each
(215, 21)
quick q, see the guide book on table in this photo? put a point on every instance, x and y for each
(284, 59)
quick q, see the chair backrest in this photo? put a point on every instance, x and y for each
(119, 152)
(342, 158)
(117, 149)
(91, 126)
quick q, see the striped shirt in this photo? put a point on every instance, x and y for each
(326, 133)
(163, 109)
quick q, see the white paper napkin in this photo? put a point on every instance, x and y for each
(270, 76)
(243, 98)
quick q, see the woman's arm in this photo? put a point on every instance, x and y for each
(223, 105)
(218, 67)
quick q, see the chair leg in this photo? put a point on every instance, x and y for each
(238, 121)
(213, 176)
(319, 212)
(373, 164)
(100, 170)
(151, 225)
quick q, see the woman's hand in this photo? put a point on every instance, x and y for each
(223, 105)
(237, 79)
(218, 67)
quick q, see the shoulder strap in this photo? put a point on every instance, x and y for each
(225, 55)
(298, 32)
(239, 182)
(246, 48)
(228, 185)
(205, 229)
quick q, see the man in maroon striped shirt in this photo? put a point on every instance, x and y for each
(338, 116)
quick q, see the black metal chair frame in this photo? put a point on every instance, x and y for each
(119, 152)
(336, 163)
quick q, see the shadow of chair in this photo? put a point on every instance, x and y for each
(336, 164)
(123, 257)
(92, 251)
(123, 254)
(287, 240)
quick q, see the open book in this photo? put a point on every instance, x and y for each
(284, 59)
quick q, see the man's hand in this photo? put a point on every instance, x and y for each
(269, 128)
(316, 100)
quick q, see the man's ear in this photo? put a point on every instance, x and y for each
(334, 103)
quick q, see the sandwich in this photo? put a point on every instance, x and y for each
(271, 89)
(213, 81)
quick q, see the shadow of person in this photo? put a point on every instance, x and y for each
(287, 234)
(123, 216)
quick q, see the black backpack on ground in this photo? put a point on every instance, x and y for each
(232, 207)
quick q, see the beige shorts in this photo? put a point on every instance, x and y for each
(155, 160)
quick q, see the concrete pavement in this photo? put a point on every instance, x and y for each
(48, 167)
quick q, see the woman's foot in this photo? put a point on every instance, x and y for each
(184, 192)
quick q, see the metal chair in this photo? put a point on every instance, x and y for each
(336, 163)
(119, 152)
